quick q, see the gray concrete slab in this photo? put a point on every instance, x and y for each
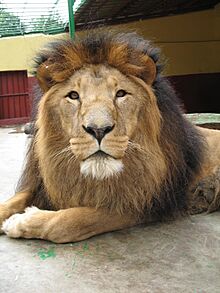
(180, 256)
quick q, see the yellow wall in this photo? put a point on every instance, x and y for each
(190, 43)
(17, 53)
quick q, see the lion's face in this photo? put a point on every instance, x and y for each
(98, 108)
(107, 112)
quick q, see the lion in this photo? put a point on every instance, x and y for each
(111, 147)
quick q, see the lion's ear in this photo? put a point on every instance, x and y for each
(44, 77)
(150, 70)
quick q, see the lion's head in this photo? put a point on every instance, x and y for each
(102, 106)
(109, 128)
(101, 111)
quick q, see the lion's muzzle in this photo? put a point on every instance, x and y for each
(100, 143)
(100, 160)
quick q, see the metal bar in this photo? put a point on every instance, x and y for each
(71, 19)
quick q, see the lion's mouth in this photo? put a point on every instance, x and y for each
(100, 154)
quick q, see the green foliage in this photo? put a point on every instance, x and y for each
(10, 24)
(48, 23)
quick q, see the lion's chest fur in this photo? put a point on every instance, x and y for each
(66, 187)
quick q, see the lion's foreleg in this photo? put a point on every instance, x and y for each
(63, 226)
(16, 204)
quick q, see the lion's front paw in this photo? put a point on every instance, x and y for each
(4, 214)
(19, 225)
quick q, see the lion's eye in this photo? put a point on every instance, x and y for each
(73, 95)
(121, 93)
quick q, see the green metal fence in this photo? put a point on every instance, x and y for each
(20, 17)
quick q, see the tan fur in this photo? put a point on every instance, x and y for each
(213, 153)
(120, 141)
(125, 139)
(141, 160)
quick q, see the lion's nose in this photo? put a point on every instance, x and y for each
(98, 132)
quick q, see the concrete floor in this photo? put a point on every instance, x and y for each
(180, 256)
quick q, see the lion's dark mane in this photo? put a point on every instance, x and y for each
(175, 129)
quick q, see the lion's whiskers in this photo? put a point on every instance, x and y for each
(133, 146)
(71, 159)
(66, 150)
